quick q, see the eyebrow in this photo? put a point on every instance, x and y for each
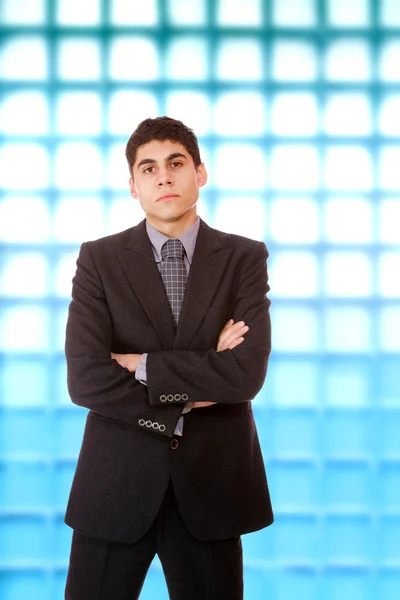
(147, 161)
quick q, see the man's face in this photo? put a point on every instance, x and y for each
(163, 168)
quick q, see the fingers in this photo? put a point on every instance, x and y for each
(229, 345)
(231, 334)
(227, 325)
(236, 343)
(231, 328)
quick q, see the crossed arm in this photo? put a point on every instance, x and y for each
(98, 382)
(230, 336)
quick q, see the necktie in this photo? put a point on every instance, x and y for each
(173, 273)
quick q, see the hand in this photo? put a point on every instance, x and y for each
(230, 336)
(198, 404)
(129, 361)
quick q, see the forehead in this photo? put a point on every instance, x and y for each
(159, 150)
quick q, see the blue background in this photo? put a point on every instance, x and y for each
(296, 104)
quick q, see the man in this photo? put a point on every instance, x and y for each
(167, 343)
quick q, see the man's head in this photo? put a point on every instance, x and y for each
(164, 158)
(162, 128)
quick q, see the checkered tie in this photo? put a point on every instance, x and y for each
(173, 273)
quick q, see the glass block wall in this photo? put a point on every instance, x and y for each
(296, 104)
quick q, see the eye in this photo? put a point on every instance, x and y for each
(173, 163)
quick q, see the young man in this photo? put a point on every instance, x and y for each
(167, 343)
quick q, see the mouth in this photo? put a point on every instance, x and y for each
(167, 197)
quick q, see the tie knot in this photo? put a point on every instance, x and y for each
(172, 249)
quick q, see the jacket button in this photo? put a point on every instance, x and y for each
(170, 397)
(174, 443)
(178, 397)
(185, 397)
(163, 398)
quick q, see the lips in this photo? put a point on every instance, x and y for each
(167, 197)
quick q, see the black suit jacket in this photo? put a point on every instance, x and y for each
(119, 304)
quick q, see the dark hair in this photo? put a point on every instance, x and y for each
(162, 128)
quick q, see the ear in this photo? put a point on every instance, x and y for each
(201, 175)
(132, 187)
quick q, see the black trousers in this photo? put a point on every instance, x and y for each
(193, 569)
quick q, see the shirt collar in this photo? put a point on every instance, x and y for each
(188, 239)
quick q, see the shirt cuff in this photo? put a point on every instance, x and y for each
(179, 425)
(141, 371)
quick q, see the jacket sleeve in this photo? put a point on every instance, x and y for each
(229, 376)
(94, 379)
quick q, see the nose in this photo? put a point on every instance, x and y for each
(165, 178)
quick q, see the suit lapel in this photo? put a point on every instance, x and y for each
(208, 264)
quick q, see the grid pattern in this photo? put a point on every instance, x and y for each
(173, 273)
(297, 107)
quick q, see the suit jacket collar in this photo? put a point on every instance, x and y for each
(208, 264)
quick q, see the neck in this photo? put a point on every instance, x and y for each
(173, 229)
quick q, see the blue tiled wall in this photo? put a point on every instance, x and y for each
(296, 104)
